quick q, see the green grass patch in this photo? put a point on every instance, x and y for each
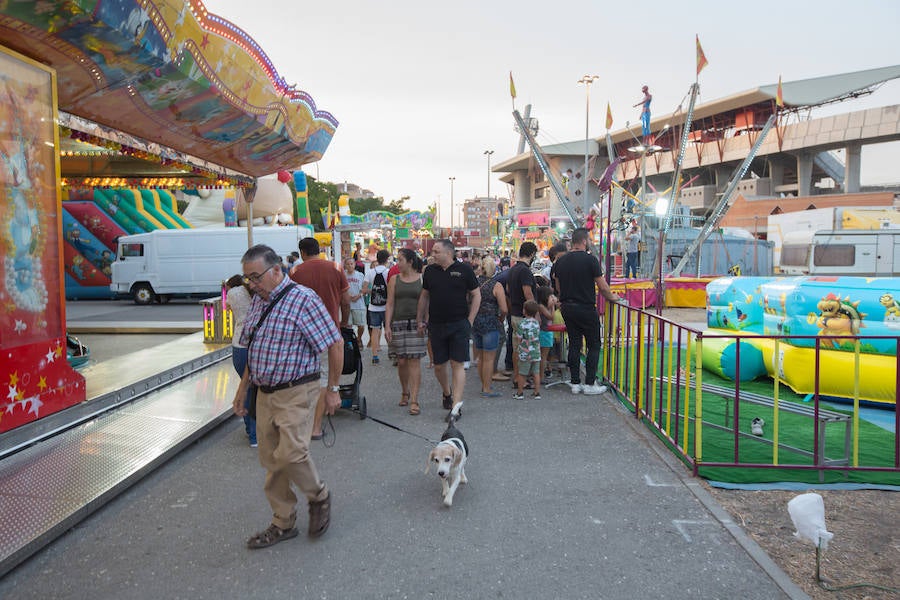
(875, 445)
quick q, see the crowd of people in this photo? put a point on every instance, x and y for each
(459, 309)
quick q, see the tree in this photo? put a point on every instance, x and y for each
(321, 192)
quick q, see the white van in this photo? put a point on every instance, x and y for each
(859, 252)
(190, 262)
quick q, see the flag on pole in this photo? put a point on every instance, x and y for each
(609, 120)
(701, 58)
(512, 86)
(779, 96)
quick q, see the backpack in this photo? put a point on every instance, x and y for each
(378, 294)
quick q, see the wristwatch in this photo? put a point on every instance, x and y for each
(334, 388)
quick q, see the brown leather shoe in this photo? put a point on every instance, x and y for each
(319, 516)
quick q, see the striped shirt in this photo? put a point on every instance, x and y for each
(288, 343)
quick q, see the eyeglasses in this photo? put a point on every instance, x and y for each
(255, 278)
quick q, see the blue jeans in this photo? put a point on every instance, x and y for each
(239, 360)
(631, 261)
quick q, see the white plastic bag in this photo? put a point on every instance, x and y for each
(808, 514)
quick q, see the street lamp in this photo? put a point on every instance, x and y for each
(452, 179)
(586, 81)
(488, 154)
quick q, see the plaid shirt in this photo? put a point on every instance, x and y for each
(288, 343)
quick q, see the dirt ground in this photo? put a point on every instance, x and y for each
(865, 524)
(865, 548)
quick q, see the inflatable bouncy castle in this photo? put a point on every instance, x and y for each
(853, 321)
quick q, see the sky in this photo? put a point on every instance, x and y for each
(421, 89)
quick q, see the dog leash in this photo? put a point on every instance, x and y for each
(333, 435)
(400, 429)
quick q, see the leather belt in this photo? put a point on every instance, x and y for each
(270, 389)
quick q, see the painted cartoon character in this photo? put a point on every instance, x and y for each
(838, 317)
(77, 269)
(891, 311)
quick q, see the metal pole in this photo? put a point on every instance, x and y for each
(452, 179)
(587, 80)
(488, 154)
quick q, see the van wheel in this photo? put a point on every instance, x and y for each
(143, 293)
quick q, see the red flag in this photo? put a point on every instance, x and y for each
(609, 120)
(779, 96)
(701, 58)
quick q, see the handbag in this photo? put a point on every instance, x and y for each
(254, 390)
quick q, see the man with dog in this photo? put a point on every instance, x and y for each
(450, 298)
(286, 329)
(576, 273)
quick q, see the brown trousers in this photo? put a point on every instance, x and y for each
(284, 422)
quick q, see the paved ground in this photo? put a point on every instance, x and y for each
(566, 500)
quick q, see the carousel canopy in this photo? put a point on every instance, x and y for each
(169, 72)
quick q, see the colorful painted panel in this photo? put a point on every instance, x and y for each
(35, 375)
(171, 72)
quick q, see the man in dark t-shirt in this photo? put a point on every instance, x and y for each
(450, 298)
(575, 275)
(519, 290)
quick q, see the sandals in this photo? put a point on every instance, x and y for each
(404, 399)
(271, 536)
(414, 408)
(319, 516)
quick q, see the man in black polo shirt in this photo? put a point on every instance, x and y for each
(576, 273)
(450, 297)
(519, 290)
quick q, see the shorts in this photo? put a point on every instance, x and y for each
(450, 341)
(529, 368)
(376, 318)
(406, 341)
(488, 341)
(514, 321)
(358, 317)
(546, 339)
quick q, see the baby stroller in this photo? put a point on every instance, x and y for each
(353, 365)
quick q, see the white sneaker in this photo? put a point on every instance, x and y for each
(576, 388)
(756, 426)
(466, 365)
(593, 390)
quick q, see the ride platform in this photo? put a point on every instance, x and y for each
(142, 409)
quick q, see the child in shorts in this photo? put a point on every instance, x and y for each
(547, 310)
(529, 332)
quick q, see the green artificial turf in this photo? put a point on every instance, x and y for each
(876, 445)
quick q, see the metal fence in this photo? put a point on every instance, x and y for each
(744, 430)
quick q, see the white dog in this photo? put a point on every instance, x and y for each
(449, 458)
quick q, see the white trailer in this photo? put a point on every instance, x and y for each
(859, 252)
(796, 226)
(160, 264)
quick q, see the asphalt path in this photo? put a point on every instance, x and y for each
(566, 498)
